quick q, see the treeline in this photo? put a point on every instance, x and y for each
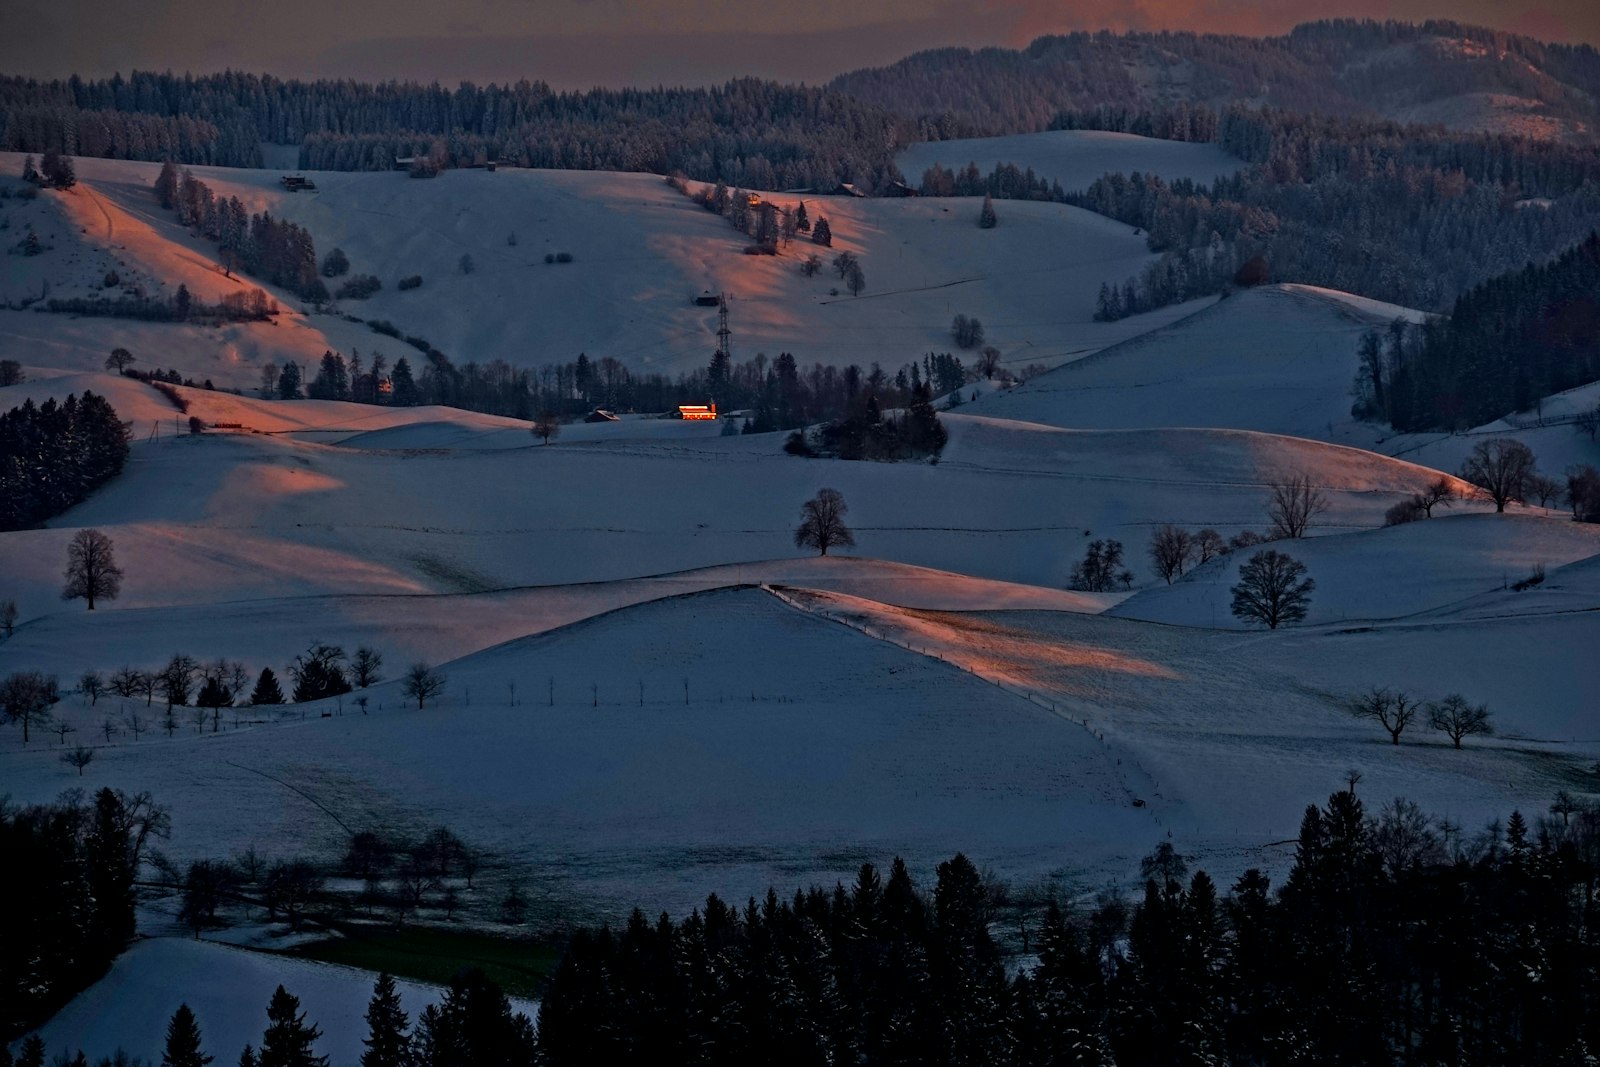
(1394, 939)
(53, 456)
(110, 134)
(748, 132)
(1005, 182)
(1178, 121)
(70, 871)
(241, 306)
(280, 252)
(777, 393)
(1507, 343)
(1415, 216)
(1339, 67)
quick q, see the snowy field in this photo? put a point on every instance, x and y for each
(1075, 158)
(642, 253)
(1280, 359)
(652, 694)
(228, 990)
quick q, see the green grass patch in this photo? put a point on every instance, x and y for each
(428, 954)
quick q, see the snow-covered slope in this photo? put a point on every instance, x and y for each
(1387, 573)
(225, 517)
(228, 990)
(1075, 158)
(721, 739)
(641, 252)
(1279, 358)
(1236, 734)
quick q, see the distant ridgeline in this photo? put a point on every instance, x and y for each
(1340, 67)
(756, 134)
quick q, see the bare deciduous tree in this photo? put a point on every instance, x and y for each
(1456, 718)
(1439, 493)
(422, 684)
(124, 682)
(25, 699)
(1403, 837)
(1545, 490)
(1171, 548)
(365, 666)
(822, 523)
(8, 617)
(79, 757)
(1500, 467)
(546, 426)
(1294, 502)
(1209, 544)
(1272, 590)
(91, 685)
(1389, 709)
(92, 571)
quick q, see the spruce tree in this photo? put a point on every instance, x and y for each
(387, 1042)
(267, 690)
(986, 217)
(183, 1041)
(247, 1058)
(31, 1054)
(823, 234)
(287, 1040)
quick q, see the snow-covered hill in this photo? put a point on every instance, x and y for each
(1280, 358)
(641, 254)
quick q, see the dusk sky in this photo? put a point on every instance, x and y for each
(580, 43)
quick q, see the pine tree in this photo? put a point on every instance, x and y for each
(247, 1058)
(267, 690)
(387, 1042)
(183, 1041)
(823, 233)
(31, 1054)
(287, 1040)
(986, 217)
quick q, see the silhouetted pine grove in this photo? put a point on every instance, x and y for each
(1387, 943)
(756, 134)
(54, 455)
(70, 869)
(278, 251)
(1337, 67)
(778, 393)
(1507, 343)
(1412, 215)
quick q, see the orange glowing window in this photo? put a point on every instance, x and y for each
(697, 411)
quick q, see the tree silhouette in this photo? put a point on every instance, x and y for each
(822, 522)
(92, 571)
(1272, 589)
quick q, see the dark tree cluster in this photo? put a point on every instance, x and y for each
(752, 133)
(1394, 939)
(53, 456)
(1413, 215)
(866, 432)
(1507, 343)
(779, 394)
(1005, 182)
(70, 870)
(1101, 569)
(280, 252)
(241, 306)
